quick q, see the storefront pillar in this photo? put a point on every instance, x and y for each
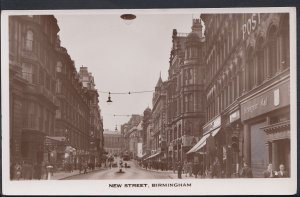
(247, 144)
(267, 153)
(274, 155)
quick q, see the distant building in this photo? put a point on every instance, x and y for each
(126, 128)
(158, 116)
(113, 141)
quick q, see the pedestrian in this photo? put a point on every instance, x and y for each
(85, 168)
(269, 172)
(179, 169)
(80, 167)
(216, 168)
(246, 171)
(18, 170)
(195, 169)
(190, 169)
(185, 168)
(282, 173)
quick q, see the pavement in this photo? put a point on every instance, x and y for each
(63, 175)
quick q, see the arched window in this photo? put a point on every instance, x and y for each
(260, 60)
(285, 42)
(251, 68)
(29, 40)
(272, 51)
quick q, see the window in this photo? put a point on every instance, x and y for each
(59, 67)
(58, 86)
(260, 61)
(29, 40)
(285, 43)
(251, 69)
(272, 51)
(28, 72)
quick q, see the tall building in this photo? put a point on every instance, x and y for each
(52, 114)
(72, 116)
(96, 123)
(247, 90)
(185, 92)
(32, 64)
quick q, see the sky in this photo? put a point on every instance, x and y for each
(122, 57)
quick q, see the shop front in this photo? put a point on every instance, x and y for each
(208, 149)
(266, 120)
(32, 146)
(232, 155)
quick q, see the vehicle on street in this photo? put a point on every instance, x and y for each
(114, 165)
(126, 157)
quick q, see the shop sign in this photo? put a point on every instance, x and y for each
(275, 98)
(250, 25)
(224, 153)
(212, 125)
(234, 116)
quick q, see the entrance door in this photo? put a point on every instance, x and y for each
(258, 150)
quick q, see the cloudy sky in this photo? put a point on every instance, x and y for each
(122, 57)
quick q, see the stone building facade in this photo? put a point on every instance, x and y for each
(96, 122)
(185, 92)
(247, 90)
(32, 55)
(49, 107)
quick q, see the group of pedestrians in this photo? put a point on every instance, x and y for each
(270, 173)
(28, 171)
(155, 165)
(246, 172)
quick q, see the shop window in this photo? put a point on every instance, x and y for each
(272, 51)
(29, 40)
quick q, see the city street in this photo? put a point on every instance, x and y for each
(134, 172)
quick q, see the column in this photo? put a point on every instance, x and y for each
(267, 153)
(247, 144)
(274, 155)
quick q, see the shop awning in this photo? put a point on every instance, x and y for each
(60, 139)
(154, 155)
(202, 141)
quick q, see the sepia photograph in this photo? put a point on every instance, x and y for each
(192, 96)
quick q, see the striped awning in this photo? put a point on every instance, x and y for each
(202, 141)
(152, 156)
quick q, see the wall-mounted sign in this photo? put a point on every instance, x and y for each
(234, 116)
(212, 125)
(250, 25)
(276, 97)
(272, 99)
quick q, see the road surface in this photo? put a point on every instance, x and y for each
(134, 172)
